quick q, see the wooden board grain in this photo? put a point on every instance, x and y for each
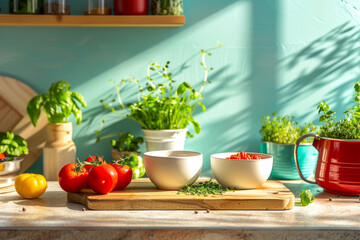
(7, 189)
(14, 97)
(143, 195)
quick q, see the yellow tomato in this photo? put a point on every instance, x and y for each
(29, 185)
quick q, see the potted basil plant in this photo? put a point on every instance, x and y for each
(163, 110)
(59, 103)
(279, 134)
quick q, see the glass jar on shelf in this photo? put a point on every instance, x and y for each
(98, 7)
(167, 7)
(59, 7)
(26, 6)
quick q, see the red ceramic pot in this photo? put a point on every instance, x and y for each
(131, 7)
(338, 167)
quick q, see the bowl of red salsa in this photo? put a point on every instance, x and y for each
(241, 170)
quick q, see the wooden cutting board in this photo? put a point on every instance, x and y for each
(141, 194)
(14, 97)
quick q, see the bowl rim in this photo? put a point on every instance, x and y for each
(267, 156)
(151, 154)
(16, 159)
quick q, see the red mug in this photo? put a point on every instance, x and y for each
(338, 167)
(131, 7)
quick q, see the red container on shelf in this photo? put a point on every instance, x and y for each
(131, 7)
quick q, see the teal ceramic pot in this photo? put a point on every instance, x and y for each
(284, 164)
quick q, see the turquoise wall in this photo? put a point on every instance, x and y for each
(280, 55)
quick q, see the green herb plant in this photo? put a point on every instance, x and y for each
(347, 128)
(13, 145)
(167, 7)
(306, 197)
(58, 104)
(127, 142)
(161, 105)
(284, 130)
(204, 189)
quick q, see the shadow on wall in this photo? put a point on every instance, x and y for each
(86, 52)
(80, 54)
(321, 64)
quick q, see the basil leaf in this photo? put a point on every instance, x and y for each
(34, 108)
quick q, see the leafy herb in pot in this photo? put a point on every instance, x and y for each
(160, 104)
(284, 130)
(127, 142)
(279, 137)
(12, 145)
(167, 7)
(347, 128)
(58, 104)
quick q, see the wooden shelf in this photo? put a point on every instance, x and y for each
(91, 20)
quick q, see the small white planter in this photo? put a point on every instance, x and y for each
(173, 139)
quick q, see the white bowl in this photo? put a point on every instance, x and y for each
(171, 169)
(241, 174)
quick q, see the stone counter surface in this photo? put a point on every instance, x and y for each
(51, 217)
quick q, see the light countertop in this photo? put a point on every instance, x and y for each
(51, 214)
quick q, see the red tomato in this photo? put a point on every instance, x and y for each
(243, 155)
(72, 179)
(2, 155)
(103, 179)
(124, 175)
(92, 159)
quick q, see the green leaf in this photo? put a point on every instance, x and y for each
(79, 98)
(77, 113)
(58, 87)
(202, 106)
(357, 87)
(196, 125)
(34, 108)
(10, 135)
(3, 148)
(306, 197)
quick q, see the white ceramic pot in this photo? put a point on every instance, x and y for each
(172, 170)
(173, 139)
(239, 173)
